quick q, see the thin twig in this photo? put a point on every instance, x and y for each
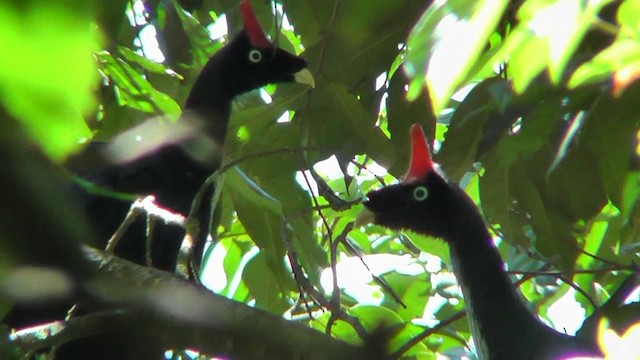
(149, 240)
(444, 323)
(579, 290)
(606, 27)
(333, 252)
(305, 285)
(364, 167)
(573, 272)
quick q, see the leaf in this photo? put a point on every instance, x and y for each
(570, 20)
(201, 45)
(149, 65)
(575, 188)
(435, 46)
(499, 204)
(262, 284)
(623, 54)
(609, 133)
(296, 207)
(261, 216)
(236, 258)
(134, 90)
(620, 58)
(419, 350)
(360, 42)
(552, 226)
(334, 112)
(467, 127)
(431, 245)
(340, 329)
(630, 194)
(413, 290)
(47, 74)
(401, 114)
(547, 35)
(308, 18)
(373, 317)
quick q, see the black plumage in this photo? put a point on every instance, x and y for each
(180, 159)
(427, 203)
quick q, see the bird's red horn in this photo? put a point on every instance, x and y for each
(421, 163)
(252, 27)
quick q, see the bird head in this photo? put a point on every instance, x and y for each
(262, 61)
(421, 202)
(249, 61)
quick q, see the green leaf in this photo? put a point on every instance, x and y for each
(201, 45)
(575, 188)
(237, 256)
(419, 350)
(134, 90)
(413, 290)
(401, 114)
(527, 60)
(630, 193)
(628, 15)
(610, 134)
(299, 222)
(431, 245)
(312, 16)
(47, 72)
(435, 46)
(624, 53)
(334, 112)
(467, 127)
(340, 329)
(360, 42)
(497, 200)
(373, 317)
(151, 66)
(261, 216)
(567, 23)
(552, 228)
(264, 285)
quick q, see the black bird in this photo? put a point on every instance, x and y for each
(427, 203)
(171, 162)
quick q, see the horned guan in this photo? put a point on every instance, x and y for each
(427, 203)
(172, 169)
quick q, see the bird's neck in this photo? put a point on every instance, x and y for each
(494, 308)
(209, 106)
(210, 103)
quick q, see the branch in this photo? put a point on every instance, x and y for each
(180, 314)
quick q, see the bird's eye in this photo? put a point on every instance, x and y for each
(255, 56)
(420, 193)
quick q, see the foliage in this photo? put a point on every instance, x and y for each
(548, 147)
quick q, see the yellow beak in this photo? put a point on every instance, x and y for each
(304, 77)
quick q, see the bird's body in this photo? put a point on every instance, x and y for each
(427, 203)
(175, 166)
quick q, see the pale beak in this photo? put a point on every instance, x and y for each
(304, 77)
(365, 217)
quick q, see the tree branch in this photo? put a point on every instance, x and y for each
(180, 314)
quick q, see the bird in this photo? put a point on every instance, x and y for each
(426, 202)
(170, 163)
(178, 161)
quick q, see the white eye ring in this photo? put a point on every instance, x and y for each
(255, 56)
(420, 193)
